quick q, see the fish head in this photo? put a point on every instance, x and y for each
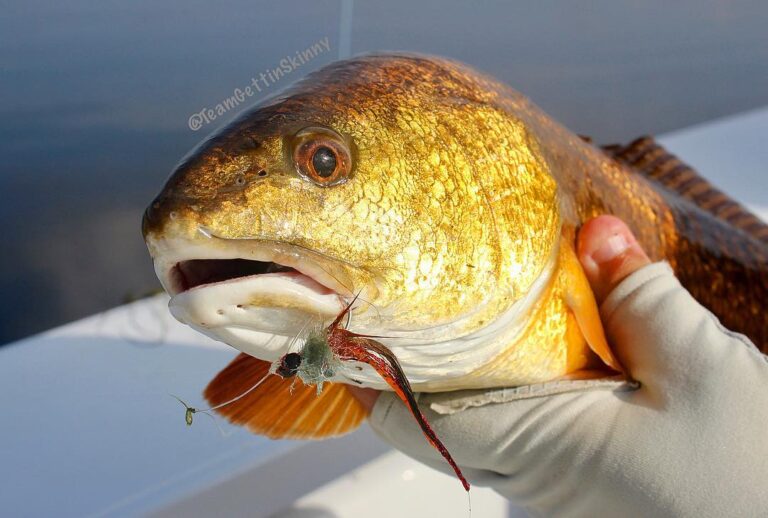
(393, 177)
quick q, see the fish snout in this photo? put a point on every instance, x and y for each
(151, 218)
(168, 208)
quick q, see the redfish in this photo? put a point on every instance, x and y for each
(450, 204)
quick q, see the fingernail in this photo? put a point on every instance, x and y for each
(611, 248)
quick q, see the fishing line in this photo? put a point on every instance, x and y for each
(298, 336)
(345, 29)
(371, 304)
(191, 411)
(469, 501)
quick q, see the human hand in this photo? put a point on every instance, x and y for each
(688, 441)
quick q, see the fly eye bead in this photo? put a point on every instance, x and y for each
(323, 159)
(289, 365)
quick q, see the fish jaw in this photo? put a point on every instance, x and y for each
(224, 289)
(262, 314)
(248, 312)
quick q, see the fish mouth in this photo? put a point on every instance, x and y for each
(199, 273)
(188, 265)
(245, 292)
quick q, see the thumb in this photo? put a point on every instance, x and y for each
(608, 252)
(656, 328)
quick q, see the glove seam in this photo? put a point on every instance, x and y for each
(751, 347)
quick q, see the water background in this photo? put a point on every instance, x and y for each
(95, 99)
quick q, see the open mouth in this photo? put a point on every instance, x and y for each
(248, 292)
(194, 265)
(249, 274)
(192, 273)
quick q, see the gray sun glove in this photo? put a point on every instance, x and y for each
(690, 441)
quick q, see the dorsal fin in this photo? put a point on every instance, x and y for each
(282, 408)
(646, 156)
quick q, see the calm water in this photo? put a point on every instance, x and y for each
(95, 99)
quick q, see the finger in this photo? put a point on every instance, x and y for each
(655, 326)
(366, 396)
(608, 252)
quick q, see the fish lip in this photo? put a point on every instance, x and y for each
(316, 285)
(169, 253)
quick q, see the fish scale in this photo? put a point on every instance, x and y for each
(456, 221)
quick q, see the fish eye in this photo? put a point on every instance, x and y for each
(324, 162)
(322, 156)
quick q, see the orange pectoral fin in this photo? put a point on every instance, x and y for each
(282, 408)
(581, 301)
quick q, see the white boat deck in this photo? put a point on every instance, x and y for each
(88, 426)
